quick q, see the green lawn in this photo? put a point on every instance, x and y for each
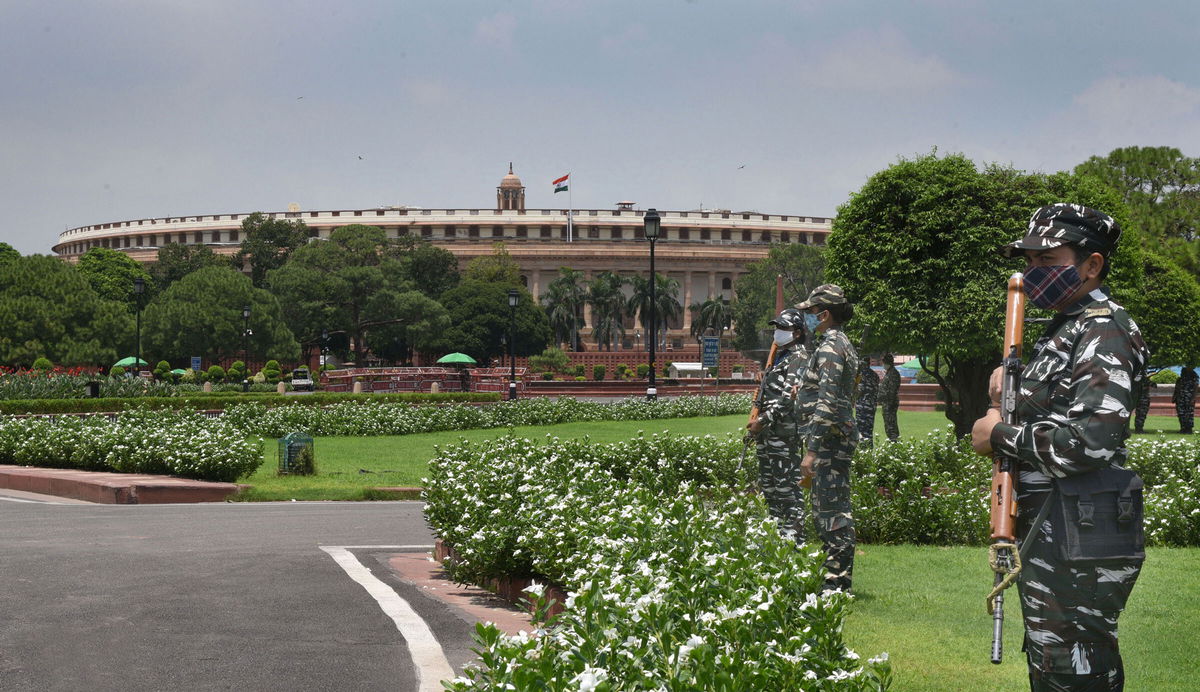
(348, 466)
(925, 607)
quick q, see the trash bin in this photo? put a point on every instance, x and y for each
(93, 390)
(296, 455)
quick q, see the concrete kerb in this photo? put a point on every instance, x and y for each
(114, 488)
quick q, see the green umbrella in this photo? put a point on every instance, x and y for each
(179, 371)
(914, 364)
(129, 360)
(456, 358)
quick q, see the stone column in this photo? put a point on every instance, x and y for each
(587, 307)
(687, 300)
(535, 286)
(712, 284)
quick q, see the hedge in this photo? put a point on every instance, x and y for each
(222, 400)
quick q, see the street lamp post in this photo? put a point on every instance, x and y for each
(324, 349)
(513, 297)
(139, 289)
(245, 348)
(653, 225)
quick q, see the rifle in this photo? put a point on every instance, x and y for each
(1003, 556)
(748, 439)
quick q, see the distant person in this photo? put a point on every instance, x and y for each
(864, 405)
(1184, 399)
(1143, 405)
(889, 397)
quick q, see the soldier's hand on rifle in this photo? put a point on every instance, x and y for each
(981, 433)
(995, 384)
(806, 466)
(755, 426)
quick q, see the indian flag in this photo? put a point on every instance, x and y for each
(560, 185)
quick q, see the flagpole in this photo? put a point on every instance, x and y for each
(570, 211)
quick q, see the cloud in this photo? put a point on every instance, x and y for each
(872, 61)
(496, 30)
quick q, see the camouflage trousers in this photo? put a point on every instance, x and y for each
(1142, 410)
(831, 506)
(890, 426)
(1187, 416)
(865, 419)
(1070, 613)
(779, 477)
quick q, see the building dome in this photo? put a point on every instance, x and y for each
(510, 180)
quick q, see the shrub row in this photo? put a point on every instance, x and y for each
(677, 580)
(175, 443)
(370, 417)
(195, 400)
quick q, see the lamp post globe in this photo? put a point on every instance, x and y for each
(652, 224)
(513, 299)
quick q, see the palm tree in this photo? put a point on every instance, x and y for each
(608, 309)
(714, 314)
(666, 297)
(564, 299)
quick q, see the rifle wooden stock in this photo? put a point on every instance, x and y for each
(754, 407)
(1005, 561)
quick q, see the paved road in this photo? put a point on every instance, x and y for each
(235, 596)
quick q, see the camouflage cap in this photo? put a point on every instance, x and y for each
(823, 295)
(790, 319)
(1061, 224)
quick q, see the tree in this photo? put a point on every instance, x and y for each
(915, 251)
(49, 309)
(563, 300)
(479, 317)
(666, 298)
(176, 260)
(802, 268)
(432, 270)
(1170, 292)
(201, 314)
(341, 284)
(714, 313)
(498, 268)
(111, 275)
(267, 243)
(8, 253)
(416, 324)
(604, 293)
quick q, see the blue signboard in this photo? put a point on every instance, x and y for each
(712, 351)
(196, 363)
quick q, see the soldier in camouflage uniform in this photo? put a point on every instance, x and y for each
(775, 428)
(826, 405)
(1072, 410)
(1184, 399)
(1143, 404)
(889, 397)
(864, 404)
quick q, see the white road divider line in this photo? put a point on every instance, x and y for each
(429, 660)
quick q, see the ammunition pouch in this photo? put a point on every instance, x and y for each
(1097, 517)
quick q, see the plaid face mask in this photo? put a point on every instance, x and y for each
(1052, 287)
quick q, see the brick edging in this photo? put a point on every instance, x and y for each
(510, 588)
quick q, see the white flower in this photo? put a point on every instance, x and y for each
(590, 678)
(536, 589)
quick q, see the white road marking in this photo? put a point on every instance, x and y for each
(429, 660)
(32, 502)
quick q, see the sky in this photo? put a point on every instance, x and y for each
(114, 110)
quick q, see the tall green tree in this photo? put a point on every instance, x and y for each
(604, 294)
(802, 268)
(201, 315)
(1170, 316)
(49, 309)
(111, 274)
(432, 270)
(267, 243)
(915, 251)
(666, 300)
(498, 267)
(563, 300)
(176, 260)
(416, 325)
(346, 283)
(715, 314)
(480, 320)
(8, 253)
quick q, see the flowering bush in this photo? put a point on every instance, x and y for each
(677, 579)
(366, 418)
(141, 441)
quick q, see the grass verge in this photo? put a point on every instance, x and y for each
(925, 606)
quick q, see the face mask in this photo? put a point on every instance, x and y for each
(1052, 287)
(811, 321)
(783, 338)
